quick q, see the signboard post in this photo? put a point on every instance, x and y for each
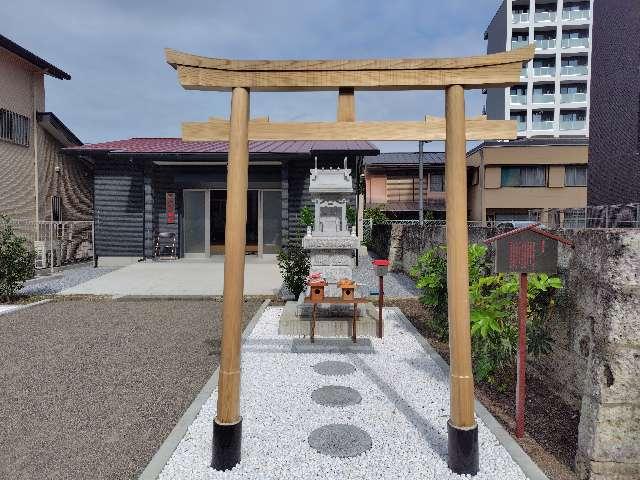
(525, 250)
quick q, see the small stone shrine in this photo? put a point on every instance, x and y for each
(331, 242)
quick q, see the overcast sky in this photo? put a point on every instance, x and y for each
(121, 86)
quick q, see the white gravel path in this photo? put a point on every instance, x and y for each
(404, 408)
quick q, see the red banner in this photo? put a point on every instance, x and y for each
(171, 207)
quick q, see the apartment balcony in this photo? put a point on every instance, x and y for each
(544, 71)
(545, 17)
(573, 97)
(575, 15)
(542, 125)
(518, 99)
(520, 18)
(575, 43)
(522, 126)
(573, 70)
(544, 98)
(519, 44)
(573, 124)
(524, 73)
(545, 43)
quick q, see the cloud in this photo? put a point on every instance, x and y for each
(121, 86)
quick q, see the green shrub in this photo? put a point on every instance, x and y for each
(376, 214)
(307, 216)
(351, 216)
(493, 315)
(17, 261)
(294, 265)
(430, 274)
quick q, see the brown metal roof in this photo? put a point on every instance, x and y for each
(177, 145)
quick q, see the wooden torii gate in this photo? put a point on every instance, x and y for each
(346, 76)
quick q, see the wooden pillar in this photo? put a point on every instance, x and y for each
(346, 105)
(463, 433)
(227, 425)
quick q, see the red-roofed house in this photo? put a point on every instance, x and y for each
(145, 186)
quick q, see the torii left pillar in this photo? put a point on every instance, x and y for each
(227, 426)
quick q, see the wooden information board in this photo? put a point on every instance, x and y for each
(526, 251)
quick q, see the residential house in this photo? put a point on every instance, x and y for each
(147, 186)
(392, 183)
(38, 181)
(523, 179)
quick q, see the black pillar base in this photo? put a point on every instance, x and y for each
(464, 456)
(227, 440)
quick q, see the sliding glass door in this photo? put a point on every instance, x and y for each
(195, 223)
(264, 221)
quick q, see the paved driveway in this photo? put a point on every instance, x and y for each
(180, 278)
(89, 389)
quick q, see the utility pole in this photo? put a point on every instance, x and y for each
(421, 186)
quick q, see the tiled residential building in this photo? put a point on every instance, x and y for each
(32, 168)
(552, 98)
(511, 180)
(614, 151)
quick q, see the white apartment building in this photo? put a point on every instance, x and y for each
(552, 98)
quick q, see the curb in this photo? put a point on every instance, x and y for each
(162, 455)
(519, 456)
(27, 305)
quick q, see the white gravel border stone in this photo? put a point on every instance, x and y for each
(404, 408)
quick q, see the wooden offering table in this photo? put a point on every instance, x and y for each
(335, 300)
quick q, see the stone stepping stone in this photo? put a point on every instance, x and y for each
(335, 368)
(336, 396)
(340, 440)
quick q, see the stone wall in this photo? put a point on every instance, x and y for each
(595, 362)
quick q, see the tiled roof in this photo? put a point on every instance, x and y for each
(405, 158)
(177, 145)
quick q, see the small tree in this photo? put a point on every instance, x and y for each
(307, 216)
(17, 260)
(294, 265)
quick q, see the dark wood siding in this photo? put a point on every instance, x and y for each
(119, 207)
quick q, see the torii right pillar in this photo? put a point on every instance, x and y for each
(463, 453)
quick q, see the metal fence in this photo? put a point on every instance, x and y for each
(57, 243)
(603, 216)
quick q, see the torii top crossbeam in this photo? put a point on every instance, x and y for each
(203, 73)
(348, 76)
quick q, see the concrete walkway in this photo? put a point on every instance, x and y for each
(181, 278)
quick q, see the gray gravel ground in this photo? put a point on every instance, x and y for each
(395, 284)
(70, 277)
(89, 389)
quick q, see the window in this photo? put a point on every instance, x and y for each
(14, 127)
(575, 176)
(523, 177)
(436, 182)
